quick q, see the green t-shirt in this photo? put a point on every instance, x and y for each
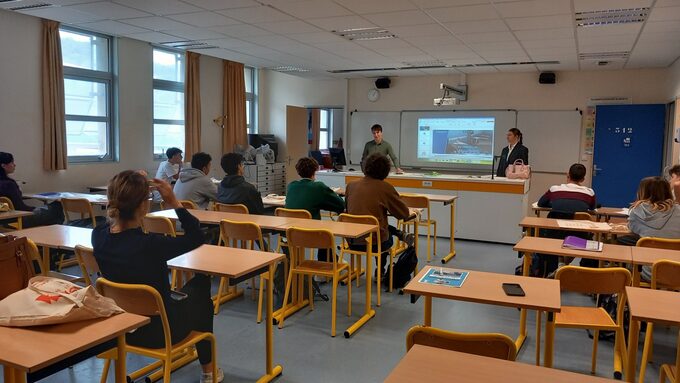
(313, 196)
(383, 148)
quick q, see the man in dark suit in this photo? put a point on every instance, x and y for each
(513, 152)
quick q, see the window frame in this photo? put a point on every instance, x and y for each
(108, 78)
(252, 128)
(166, 85)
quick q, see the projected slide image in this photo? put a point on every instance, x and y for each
(456, 140)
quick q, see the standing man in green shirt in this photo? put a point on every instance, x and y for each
(378, 145)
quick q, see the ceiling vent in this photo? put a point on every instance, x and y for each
(188, 44)
(33, 6)
(288, 69)
(425, 64)
(611, 16)
(604, 56)
(362, 34)
(445, 66)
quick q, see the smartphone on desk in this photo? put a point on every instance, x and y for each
(178, 295)
(513, 290)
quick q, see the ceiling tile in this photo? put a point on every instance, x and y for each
(433, 40)
(593, 65)
(109, 11)
(552, 43)
(447, 3)
(152, 37)
(241, 30)
(446, 50)
(155, 23)
(478, 69)
(603, 47)
(286, 27)
(213, 5)
(312, 8)
(601, 5)
(419, 30)
(504, 45)
(204, 19)
(341, 23)
(517, 68)
(159, 7)
(400, 52)
(534, 8)
(608, 30)
(254, 15)
(496, 56)
(316, 37)
(472, 61)
(466, 13)
(63, 15)
(618, 40)
(557, 67)
(229, 43)
(112, 28)
(376, 6)
(545, 34)
(665, 14)
(667, 3)
(385, 43)
(441, 71)
(658, 37)
(551, 52)
(340, 47)
(486, 37)
(53, 2)
(477, 26)
(193, 33)
(541, 22)
(391, 19)
(662, 26)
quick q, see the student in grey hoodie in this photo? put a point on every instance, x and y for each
(194, 184)
(654, 214)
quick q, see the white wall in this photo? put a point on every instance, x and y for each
(278, 90)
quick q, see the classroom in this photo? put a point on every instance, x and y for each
(584, 92)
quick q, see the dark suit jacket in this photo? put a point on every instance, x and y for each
(520, 152)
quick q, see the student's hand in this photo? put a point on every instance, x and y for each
(166, 193)
(400, 171)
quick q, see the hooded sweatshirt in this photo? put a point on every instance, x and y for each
(196, 186)
(646, 222)
(234, 189)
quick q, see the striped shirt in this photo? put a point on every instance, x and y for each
(568, 198)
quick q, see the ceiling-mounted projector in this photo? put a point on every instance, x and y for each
(453, 95)
(445, 101)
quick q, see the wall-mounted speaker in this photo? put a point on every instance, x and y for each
(383, 83)
(547, 78)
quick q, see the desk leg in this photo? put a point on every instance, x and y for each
(636, 275)
(427, 322)
(549, 340)
(452, 246)
(538, 337)
(523, 312)
(120, 360)
(45, 260)
(369, 312)
(633, 334)
(271, 371)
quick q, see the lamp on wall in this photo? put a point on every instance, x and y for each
(220, 121)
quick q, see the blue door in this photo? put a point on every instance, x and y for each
(628, 147)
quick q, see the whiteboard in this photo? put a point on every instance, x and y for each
(360, 131)
(553, 138)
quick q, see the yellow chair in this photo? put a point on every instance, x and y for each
(421, 202)
(145, 300)
(485, 344)
(78, 206)
(344, 249)
(242, 235)
(586, 280)
(185, 204)
(163, 225)
(665, 275)
(15, 226)
(88, 264)
(672, 372)
(290, 213)
(300, 239)
(231, 208)
(657, 243)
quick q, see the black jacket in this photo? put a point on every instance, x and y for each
(234, 189)
(520, 152)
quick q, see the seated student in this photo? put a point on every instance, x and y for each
(234, 189)
(126, 254)
(653, 214)
(194, 184)
(311, 195)
(169, 169)
(51, 214)
(674, 173)
(371, 195)
(565, 200)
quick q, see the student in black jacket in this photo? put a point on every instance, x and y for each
(513, 152)
(126, 254)
(234, 189)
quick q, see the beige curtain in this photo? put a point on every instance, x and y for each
(54, 116)
(192, 106)
(316, 129)
(235, 131)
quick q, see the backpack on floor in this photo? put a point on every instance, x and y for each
(404, 267)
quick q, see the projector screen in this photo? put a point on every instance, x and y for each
(456, 140)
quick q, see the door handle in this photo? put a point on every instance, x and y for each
(596, 169)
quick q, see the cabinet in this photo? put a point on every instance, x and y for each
(268, 179)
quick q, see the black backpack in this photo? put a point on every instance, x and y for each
(404, 267)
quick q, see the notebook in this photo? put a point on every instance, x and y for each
(444, 277)
(572, 242)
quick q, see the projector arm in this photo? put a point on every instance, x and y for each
(453, 95)
(457, 90)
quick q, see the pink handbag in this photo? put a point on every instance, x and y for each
(518, 170)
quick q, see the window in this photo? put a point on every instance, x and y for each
(88, 89)
(168, 101)
(250, 78)
(324, 129)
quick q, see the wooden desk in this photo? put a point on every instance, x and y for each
(237, 263)
(481, 287)
(646, 256)
(58, 237)
(214, 217)
(550, 246)
(20, 353)
(430, 364)
(551, 223)
(609, 212)
(647, 305)
(15, 214)
(95, 199)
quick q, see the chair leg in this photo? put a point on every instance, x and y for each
(358, 269)
(105, 371)
(593, 362)
(218, 298)
(252, 288)
(260, 298)
(646, 350)
(334, 304)
(434, 251)
(310, 292)
(167, 369)
(619, 353)
(428, 242)
(289, 282)
(391, 266)
(379, 274)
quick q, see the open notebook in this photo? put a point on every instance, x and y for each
(572, 242)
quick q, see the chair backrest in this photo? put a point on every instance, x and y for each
(659, 243)
(231, 208)
(8, 202)
(587, 280)
(160, 225)
(184, 202)
(34, 254)
(245, 232)
(80, 206)
(88, 264)
(585, 216)
(363, 219)
(300, 239)
(292, 213)
(137, 299)
(485, 344)
(666, 274)
(415, 201)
